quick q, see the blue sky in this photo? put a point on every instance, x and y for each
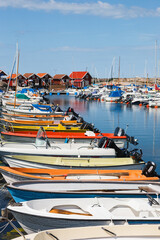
(61, 36)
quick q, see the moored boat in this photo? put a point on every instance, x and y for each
(112, 232)
(70, 162)
(43, 214)
(12, 174)
(40, 189)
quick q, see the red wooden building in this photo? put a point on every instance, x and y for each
(80, 79)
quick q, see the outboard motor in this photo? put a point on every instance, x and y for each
(119, 132)
(136, 155)
(71, 110)
(103, 142)
(107, 142)
(149, 169)
(80, 120)
(58, 109)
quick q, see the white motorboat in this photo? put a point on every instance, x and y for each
(103, 147)
(44, 214)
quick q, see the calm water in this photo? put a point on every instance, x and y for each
(143, 124)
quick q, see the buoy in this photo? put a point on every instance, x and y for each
(67, 93)
(111, 101)
(121, 102)
(147, 105)
(98, 99)
(102, 100)
(156, 106)
(115, 101)
(58, 93)
(140, 104)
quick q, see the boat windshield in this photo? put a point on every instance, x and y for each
(41, 138)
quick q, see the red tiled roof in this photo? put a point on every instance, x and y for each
(14, 75)
(79, 75)
(27, 75)
(41, 74)
(59, 76)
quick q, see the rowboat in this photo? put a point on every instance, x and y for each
(12, 174)
(40, 189)
(27, 161)
(44, 214)
(112, 232)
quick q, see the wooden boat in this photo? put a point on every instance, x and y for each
(69, 162)
(12, 174)
(42, 214)
(40, 189)
(112, 232)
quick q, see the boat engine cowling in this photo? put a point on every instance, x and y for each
(149, 169)
(119, 132)
(107, 142)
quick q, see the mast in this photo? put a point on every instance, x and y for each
(156, 62)
(119, 70)
(16, 75)
(11, 73)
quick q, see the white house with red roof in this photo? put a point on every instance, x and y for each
(80, 79)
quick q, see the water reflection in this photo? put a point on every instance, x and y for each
(144, 123)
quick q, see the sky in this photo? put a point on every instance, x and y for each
(61, 36)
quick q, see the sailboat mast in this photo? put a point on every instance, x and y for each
(156, 62)
(119, 71)
(16, 75)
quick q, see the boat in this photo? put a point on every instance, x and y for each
(30, 109)
(40, 189)
(119, 136)
(58, 127)
(13, 174)
(28, 161)
(44, 214)
(108, 232)
(10, 116)
(34, 122)
(104, 147)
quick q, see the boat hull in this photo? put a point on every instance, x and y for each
(63, 163)
(30, 190)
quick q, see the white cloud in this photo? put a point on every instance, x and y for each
(98, 8)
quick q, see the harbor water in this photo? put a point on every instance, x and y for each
(141, 122)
